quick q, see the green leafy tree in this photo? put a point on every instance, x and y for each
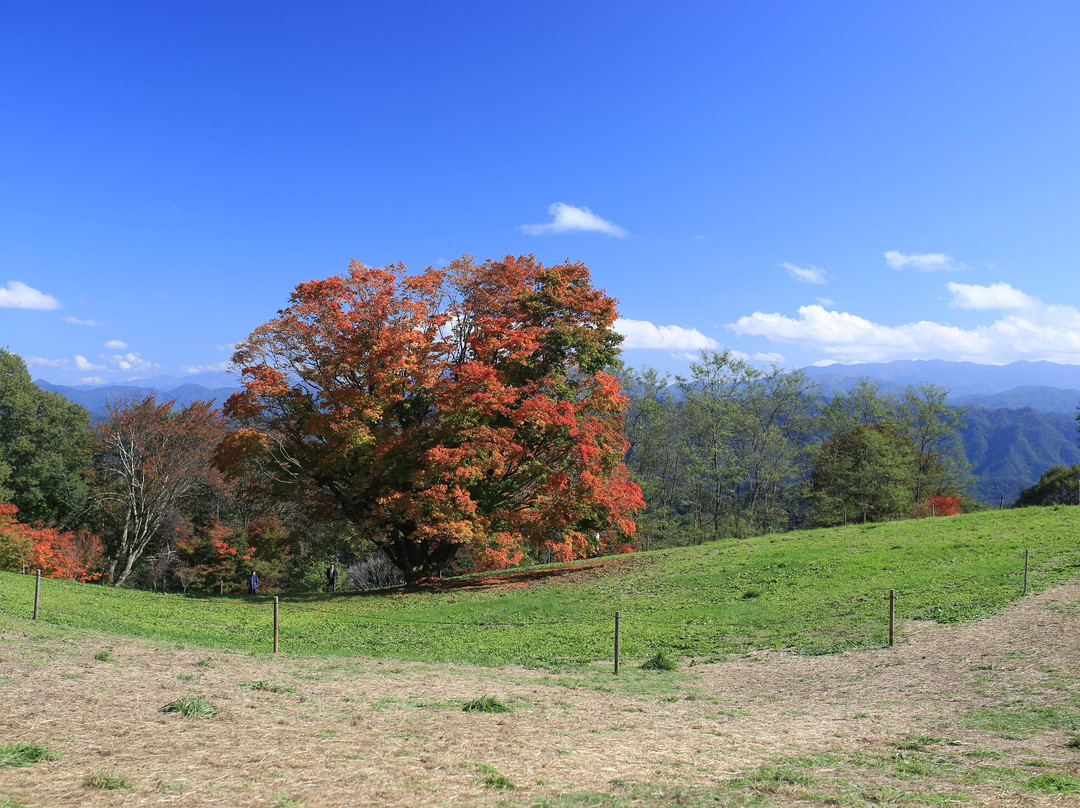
(1058, 485)
(862, 474)
(44, 440)
(881, 455)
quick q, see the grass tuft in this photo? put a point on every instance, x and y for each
(191, 707)
(499, 781)
(1054, 784)
(107, 781)
(104, 655)
(486, 704)
(660, 662)
(13, 755)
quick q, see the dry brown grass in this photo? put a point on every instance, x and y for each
(342, 732)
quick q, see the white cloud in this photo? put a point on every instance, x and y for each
(91, 380)
(49, 363)
(769, 357)
(1030, 330)
(217, 366)
(996, 296)
(82, 363)
(77, 321)
(17, 295)
(116, 344)
(804, 275)
(130, 361)
(825, 301)
(924, 262)
(567, 219)
(643, 334)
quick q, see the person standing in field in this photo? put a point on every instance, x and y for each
(331, 578)
(253, 583)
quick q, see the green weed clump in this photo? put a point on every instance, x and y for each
(107, 781)
(104, 656)
(13, 755)
(660, 662)
(1073, 742)
(486, 704)
(191, 707)
(1054, 784)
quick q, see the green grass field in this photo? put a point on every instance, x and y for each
(815, 591)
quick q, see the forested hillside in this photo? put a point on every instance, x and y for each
(1010, 449)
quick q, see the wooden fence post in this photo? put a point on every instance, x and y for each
(275, 624)
(37, 593)
(616, 642)
(892, 616)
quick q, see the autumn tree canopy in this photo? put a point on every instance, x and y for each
(463, 406)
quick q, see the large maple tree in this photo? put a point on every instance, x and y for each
(462, 406)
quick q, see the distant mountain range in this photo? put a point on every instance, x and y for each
(960, 378)
(1020, 417)
(95, 399)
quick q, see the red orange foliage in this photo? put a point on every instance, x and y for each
(464, 406)
(938, 506)
(58, 554)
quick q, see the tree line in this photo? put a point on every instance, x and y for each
(465, 418)
(733, 449)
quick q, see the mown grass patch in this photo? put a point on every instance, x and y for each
(816, 591)
(1017, 720)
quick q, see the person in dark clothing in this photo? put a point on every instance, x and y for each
(253, 583)
(331, 578)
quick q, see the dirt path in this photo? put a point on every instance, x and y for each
(983, 711)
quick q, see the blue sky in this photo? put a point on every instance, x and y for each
(798, 182)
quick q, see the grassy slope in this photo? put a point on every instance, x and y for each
(813, 591)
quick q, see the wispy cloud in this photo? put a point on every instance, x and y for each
(568, 219)
(116, 345)
(48, 363)
(1000, 296)
(84, 364)
(17, 295)
(130, 361)
(924, 262)
(805, 275)
(643, 334)
(77, 321)
(1030, 329)
(217, 366)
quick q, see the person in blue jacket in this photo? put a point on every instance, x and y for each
(253, 583)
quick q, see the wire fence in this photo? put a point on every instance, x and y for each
(854, 625)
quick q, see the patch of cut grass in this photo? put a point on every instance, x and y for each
(13, 755)
(107, 780)
(191, 707)
(1018, 721)
(11, 802)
